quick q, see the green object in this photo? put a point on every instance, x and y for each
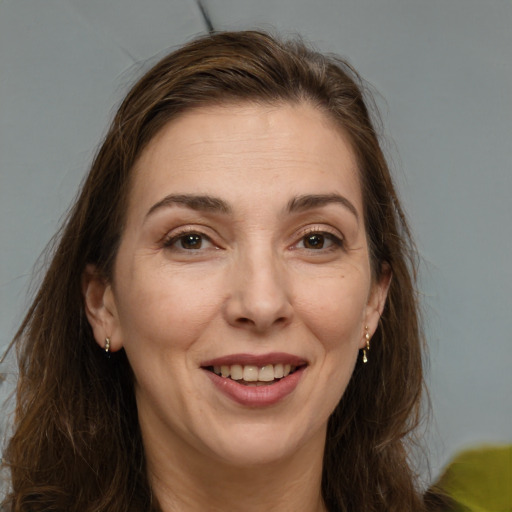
(480, 480)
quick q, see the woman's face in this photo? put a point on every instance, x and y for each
(242, 285)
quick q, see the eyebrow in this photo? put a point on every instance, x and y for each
(213, 204)
(194, 202)
(307, 202)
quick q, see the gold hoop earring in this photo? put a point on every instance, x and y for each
(367, 348)
(107, 345)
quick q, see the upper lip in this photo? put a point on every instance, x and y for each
(256, 359)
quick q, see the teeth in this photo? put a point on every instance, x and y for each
(267, 373)
(252, 373)
(236, 372)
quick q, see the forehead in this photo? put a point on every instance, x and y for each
(246, 147)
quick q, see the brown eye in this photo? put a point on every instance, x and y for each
(314, 241)
(188, 241)
(191, 241)
(319, 240)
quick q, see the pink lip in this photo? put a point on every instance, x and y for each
(256, 360)
(257, 396)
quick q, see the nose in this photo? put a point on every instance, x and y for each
(259, 295)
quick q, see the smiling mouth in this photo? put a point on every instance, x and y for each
(252, 375)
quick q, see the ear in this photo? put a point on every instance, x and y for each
(376, 301)
(100, 308)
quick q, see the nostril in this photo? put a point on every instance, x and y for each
(247, 321)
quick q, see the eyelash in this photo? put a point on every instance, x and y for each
(169, 241)
(336, 241)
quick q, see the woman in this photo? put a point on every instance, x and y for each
(229, 321)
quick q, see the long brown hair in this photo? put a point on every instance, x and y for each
(76, 443)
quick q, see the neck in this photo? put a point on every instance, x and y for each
(194, 484)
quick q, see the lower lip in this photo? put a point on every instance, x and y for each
(257, 396)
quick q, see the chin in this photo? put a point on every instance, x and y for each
(249, 445)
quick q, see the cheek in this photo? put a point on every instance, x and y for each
(164, 309)
(334, 312)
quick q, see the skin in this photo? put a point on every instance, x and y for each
(256, 284)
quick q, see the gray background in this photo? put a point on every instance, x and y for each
(444, 71)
